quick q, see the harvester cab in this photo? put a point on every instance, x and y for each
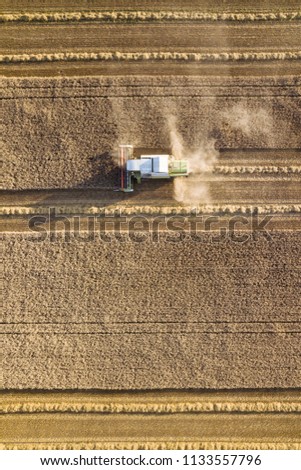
(162, 166)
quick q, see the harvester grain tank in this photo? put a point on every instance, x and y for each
(159, 166)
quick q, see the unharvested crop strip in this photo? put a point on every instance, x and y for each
(285, 170)
(197, 445)
(154, 210)
(128, 16)
(96, 406)
(148, 56)
(152, 408)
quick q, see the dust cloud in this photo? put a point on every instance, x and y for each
(194, 189)
(257, 122)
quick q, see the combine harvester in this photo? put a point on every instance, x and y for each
(147, 167)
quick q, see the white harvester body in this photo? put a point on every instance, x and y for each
(150, 166)
(159, 166)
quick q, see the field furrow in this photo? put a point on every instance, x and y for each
(157, 37)
(150, 5)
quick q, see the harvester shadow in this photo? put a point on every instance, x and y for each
(98, 190)
(101, 190)
(104, 185)
(105, 172)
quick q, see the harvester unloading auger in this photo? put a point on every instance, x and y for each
(161, 166)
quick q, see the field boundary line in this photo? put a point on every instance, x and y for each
(159, 328)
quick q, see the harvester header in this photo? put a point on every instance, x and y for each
(161, 166)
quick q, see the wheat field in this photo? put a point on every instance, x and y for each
(155, 335)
